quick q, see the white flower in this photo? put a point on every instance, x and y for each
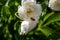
(30, 12)
(30, 9)
(27, 26)
(54, 5)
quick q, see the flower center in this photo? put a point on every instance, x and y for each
(29, 11)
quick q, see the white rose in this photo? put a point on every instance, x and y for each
(54, 5)
(30, 12)
(30, 9)
(27, 26)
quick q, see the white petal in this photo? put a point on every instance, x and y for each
(24, 27)
(39, 10)
(33, 1)
(27, 26)
(21, 12)
(36, 10)
(23, 1)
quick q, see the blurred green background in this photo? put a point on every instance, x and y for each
(48, 27)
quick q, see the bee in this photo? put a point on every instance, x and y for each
(32, 19)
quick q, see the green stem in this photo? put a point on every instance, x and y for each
(7, 3)
(17, 16)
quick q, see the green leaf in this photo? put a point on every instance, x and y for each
(58, 23)
(10, 18)
(5, 11)
(7, 3)
(46, 31)
(55, 17)
(47, 16)
(16, 25)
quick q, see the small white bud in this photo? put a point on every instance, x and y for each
(54, 5)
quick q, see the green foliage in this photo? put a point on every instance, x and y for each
(48, 27)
